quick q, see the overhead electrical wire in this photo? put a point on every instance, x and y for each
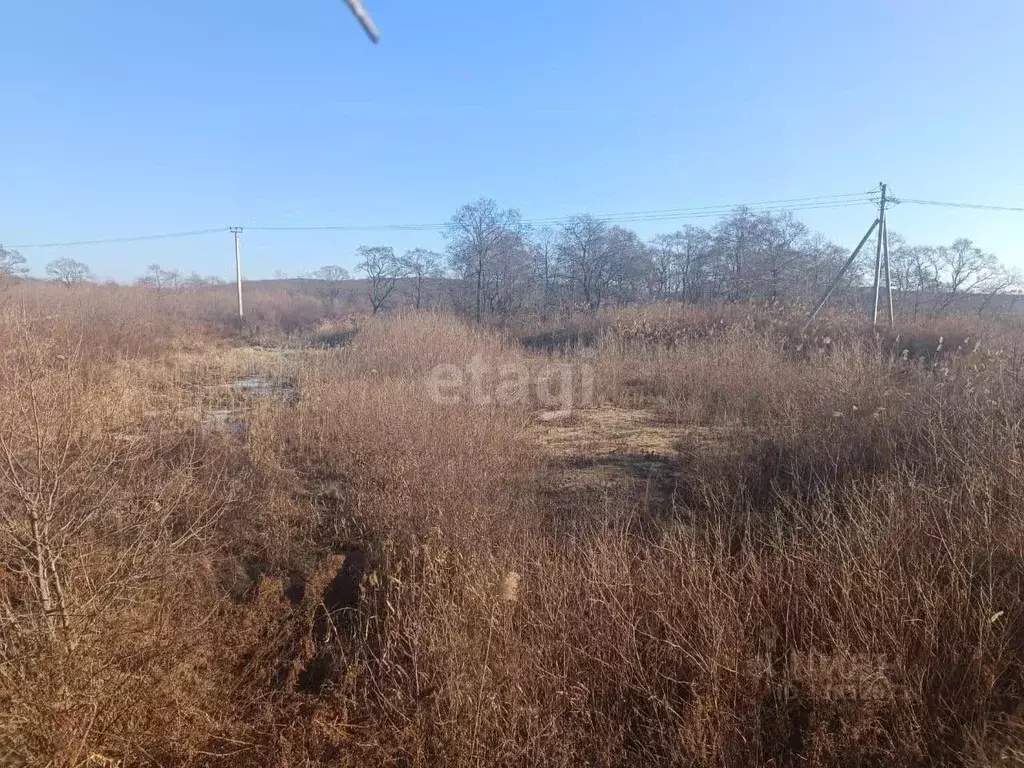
(663, 214)
(128, 239)
(713, 208)
(814, 203)
(976, 206)
(721, 212)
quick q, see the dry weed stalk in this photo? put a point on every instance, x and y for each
(792, 587)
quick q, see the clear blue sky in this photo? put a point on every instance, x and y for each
(125, 117)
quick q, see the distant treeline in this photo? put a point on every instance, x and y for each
(496, 265)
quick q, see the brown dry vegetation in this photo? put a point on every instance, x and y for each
(746, 550)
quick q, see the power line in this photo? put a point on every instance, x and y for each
(724, 211)
(813, 203)
(976, 206)
(129, 239)
(662, 214)
(715, 208)
(659, 214)
(349, 228)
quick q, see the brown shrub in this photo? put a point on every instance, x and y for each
(361, 575)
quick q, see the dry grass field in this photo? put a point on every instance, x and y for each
(277, 546)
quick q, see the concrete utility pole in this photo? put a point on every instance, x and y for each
(881, 257)
(879, 252)
(888, 281)
(236, 231)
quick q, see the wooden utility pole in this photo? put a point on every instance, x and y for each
(236, 231)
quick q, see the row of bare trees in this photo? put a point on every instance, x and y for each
(65, 271)
(935, 280)
(71, 272)
(505, 266)
(382, 270)
(585, 260)
(501, 266)
(172, 279)
(378, 264)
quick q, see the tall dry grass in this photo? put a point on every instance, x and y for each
(362, 575)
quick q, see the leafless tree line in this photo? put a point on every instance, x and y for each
(65, 271)
(382, 270)
(504, 266)
(500, 266)
(930, 280)
(172, 279)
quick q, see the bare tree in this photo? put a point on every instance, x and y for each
(915, 273)
(193, 281)
(665, 275)
(329, 283)
(159, 278)
(1002, 281)
(678, 263)
(900, 268)
(583, 255)
(782, 240)
(736, 241)
(12, 265)
(511, 280)
(600, 262)
(475, 235)
(965, 269)
(693, 262)
(543, 248)
(421, 265)
(68, 272)
(383, 269)
(822, 260)
(626, 266)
